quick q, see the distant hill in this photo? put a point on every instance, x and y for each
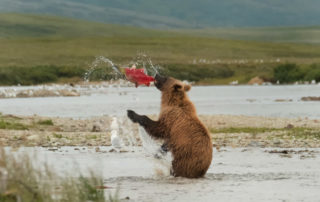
(30, 25)
(177, 13)
(40, 48)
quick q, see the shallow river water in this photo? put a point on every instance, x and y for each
(275, 101)
(241, 174)
(236, 174)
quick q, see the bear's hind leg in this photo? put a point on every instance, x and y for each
(185, 168)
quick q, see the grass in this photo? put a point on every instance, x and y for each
(38, 49)
(11, 125)
(57, 136)
(92, 137)
(14, 25)
(282, 133)
(303, 133)
(81, 51)
(10, 122)
(20, 180)
(244, 130)
(47, 122)
(306, 34)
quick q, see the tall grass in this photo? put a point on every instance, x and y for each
(20, 180)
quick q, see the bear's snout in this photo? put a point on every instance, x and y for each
(159, 81)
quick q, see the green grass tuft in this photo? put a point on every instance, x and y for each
(91, 137)
(293, 133)
(47, 122)
(12, 125)
(57, 135)
(244, 130)
(303, 133)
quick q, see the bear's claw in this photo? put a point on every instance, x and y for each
(132, 115)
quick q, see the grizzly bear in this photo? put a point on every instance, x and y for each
(180, 128)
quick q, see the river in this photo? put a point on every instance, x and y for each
(268, 101)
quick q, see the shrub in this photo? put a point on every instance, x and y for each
(48, 122)
(37, 74)
(288, 73)
(69, 72)
(313, 73)
(197, 72)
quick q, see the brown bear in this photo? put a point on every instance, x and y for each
(180, 128)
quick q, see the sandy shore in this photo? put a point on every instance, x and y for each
(226, 130)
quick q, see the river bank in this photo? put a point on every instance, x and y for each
(225, 130)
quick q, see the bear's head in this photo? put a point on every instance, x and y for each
(173, 90)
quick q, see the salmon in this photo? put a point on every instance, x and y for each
(138, 77)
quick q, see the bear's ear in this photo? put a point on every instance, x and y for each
(187, 87)
(177, 87)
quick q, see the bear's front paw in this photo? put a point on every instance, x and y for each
(132, 115)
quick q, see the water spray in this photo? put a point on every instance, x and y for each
(104, 68)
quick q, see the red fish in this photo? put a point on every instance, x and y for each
(138, 77)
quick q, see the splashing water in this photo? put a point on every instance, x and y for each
(152, 148)
(127, 134)
(103, 68)
(144, 61)
(149, 145)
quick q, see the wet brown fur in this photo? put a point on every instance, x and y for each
(179, 126)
